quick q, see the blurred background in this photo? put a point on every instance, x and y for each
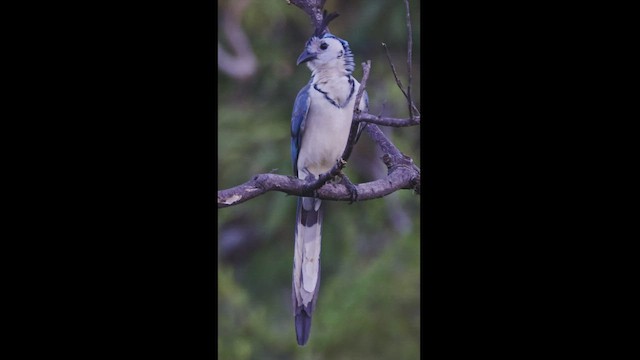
(369, 301)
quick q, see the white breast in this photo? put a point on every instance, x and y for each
(326, 132)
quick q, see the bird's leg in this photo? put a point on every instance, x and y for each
(353, 191)
(310, 179)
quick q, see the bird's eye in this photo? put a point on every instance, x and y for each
(324, 46)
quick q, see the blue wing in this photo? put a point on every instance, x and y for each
(298, 118)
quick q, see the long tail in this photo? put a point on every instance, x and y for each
(306, 265)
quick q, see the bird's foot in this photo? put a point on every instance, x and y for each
(353, 191)
(310, 181)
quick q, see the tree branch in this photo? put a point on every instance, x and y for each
(402, 174)
(386, 121)
(409, 66)
(353, 132)
(398, 82)
(313, 8)
(399, 178)
(393, 158)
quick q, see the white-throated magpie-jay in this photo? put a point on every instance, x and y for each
(320, 125)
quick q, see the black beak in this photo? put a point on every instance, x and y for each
(305, 56)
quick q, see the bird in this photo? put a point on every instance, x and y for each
(320, 126)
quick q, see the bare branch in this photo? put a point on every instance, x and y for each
(386, 121)
(353, 132)
(313, 8)
(366, 68)
(398, 82)
(393, 69)
(402, 174)
(393, 158)
(400, 178)
(409, 47)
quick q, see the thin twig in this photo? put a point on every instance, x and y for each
(366, 68)
(393, 69)
(395, 75)
(409, 47)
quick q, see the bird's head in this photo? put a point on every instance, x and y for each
(325, 51)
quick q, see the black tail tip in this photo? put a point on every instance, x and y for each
(303, 327)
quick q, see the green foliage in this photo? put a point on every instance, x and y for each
(369, 300)
(368, 311)
(374, 315)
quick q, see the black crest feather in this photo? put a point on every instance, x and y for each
(326, 19)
